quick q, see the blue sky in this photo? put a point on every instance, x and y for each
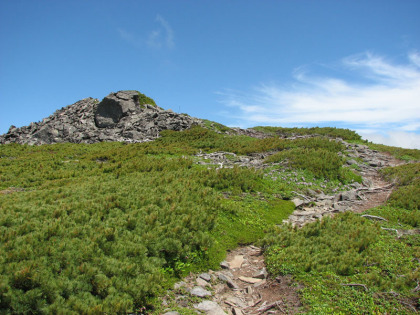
(352, 64)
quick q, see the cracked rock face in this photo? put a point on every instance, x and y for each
(118, 117)
(114, 107)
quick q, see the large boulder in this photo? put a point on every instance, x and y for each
(115, 106)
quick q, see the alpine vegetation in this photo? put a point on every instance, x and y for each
(105, 205)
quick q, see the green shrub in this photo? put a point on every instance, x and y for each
(320, 162)
(400, 153)
(143, 99)
(101, 228)
(407, 179)
(338, 245)
(345, 134)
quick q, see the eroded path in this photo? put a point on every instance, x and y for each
(242, 286)
(374, 190)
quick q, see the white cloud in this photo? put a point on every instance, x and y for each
(127, 36)
(401, 139)
(163, 36)
(386, 96)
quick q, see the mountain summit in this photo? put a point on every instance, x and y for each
(125, 116)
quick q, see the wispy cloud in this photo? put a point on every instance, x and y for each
(160, 37)
(128, 37)
(385, 97)
(163, 36)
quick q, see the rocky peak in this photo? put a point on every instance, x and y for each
(122, 116)
(115, 106)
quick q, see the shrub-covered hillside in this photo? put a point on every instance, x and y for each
(106, 227)
(352, 265)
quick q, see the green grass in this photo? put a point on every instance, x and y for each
(107, 227)
(349, 249)
(345, 134)
(143, 99)
(407, 179)
(400, 153)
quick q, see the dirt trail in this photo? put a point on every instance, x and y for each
(242, 286)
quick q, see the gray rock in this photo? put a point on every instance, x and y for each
(356, 185)
(118, 117)
(375, 163)
(200, 292)
(210, 308)
(298, 202)
(231, 284)
(351, 162)
(349, 195)
(115, 106)
(171, 313)
(205, 276)
(261, 274)
(202, 283)
(224, 264)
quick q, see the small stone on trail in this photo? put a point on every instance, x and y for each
(171, 313)
(261, 274)
(210, 307)
(298, 202)
(229, 281)
(249, 279)
(349, 195)
(236, 302)
(202, 283)
(237, 311)
(236, 262)
(256, 285)
(224, 265)
(205, 276)
(199, 291)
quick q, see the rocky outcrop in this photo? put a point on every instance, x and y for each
(118, 117)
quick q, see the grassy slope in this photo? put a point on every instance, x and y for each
(105, 227)
(349, 249)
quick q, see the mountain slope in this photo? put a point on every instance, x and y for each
(108, 227)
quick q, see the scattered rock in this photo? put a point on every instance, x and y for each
(118, 117)
(237, 311)
(351, 162)
(205, 276)
(210, 308)
(261, 274)
(202, 283)
(228, 281)
(224, 265)
(200, 292)
(349, 195)
(249, 279)
(298, 202)
(236, 301)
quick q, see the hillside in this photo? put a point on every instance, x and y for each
(97, 218)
